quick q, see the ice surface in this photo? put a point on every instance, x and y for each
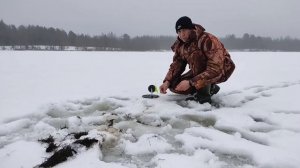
(254, 121)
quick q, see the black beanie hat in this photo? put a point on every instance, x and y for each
(184, 23)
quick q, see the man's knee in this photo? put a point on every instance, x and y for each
(186, 92)
(190, 90)
(176, 81)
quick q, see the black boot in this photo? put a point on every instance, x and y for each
(203, 99)
(214, 89)
(202, 96)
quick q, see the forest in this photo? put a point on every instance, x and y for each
(33, 37)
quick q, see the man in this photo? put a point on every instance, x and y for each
(208, 60)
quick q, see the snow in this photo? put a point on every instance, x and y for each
(17, 154)
(148, 143)
(254, 124)
(201, 158)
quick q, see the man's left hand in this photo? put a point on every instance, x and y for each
(183, 85)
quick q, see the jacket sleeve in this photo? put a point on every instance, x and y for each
(177, 67)
(214, 51)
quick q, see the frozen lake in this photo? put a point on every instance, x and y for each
(57, 93)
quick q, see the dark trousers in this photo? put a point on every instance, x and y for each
(205, 91)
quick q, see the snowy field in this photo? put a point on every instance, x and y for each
(71, 97)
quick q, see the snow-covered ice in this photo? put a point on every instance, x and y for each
(253, 123)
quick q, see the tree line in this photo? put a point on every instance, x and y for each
(29, 37)
(258, 43)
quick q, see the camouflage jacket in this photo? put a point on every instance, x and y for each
(208, 60)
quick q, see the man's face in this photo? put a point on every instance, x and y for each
(184, 34)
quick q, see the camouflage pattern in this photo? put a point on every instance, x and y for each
(208, 60)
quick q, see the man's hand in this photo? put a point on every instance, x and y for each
(183, 85)
(163, 88)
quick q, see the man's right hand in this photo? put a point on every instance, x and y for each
(163, 88)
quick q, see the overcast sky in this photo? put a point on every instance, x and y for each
(275, 18)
